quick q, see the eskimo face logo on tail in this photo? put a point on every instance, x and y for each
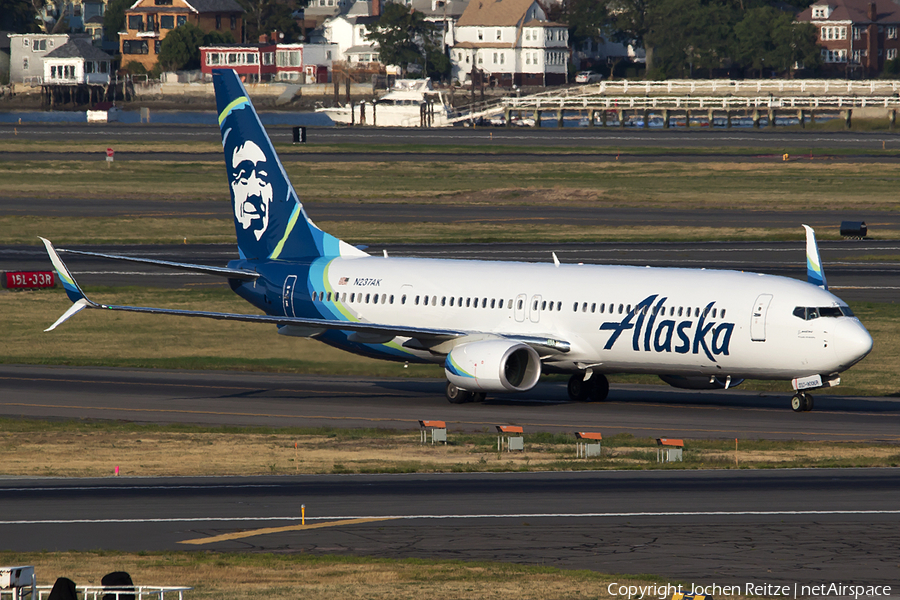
(251, 188)
(651, 331)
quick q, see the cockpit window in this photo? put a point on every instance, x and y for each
(808, 313)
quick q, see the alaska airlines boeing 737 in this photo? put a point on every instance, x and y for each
(497, 326)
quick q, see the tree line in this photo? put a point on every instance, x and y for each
(689, 38)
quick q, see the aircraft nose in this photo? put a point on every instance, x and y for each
(853, 342)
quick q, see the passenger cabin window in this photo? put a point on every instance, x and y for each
(403, 299)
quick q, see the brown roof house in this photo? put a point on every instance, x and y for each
(856, 36)
(147, 23)
(510, 42)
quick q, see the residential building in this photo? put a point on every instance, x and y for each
(4, 56)
(77, 61)
(27, 52)
(349, 33)
(510, 42)
(856, 36)
(271, 61)
(148, 22)
(318, 11)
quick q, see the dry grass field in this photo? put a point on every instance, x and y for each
(288, 577)
(96, 449)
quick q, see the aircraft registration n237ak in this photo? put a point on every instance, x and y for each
(497, 326)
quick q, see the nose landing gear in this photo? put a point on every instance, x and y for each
(802, 402)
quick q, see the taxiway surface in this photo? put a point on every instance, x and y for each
(698, 138)
(279, 400)
(724, 527)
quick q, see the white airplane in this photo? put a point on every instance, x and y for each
(497, 326)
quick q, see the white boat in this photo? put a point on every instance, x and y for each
(410, 103)
(103, 115)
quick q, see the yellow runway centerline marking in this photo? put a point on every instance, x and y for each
(239, 535)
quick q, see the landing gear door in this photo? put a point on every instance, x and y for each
(758, 318)
(287, 295)
(519, 307)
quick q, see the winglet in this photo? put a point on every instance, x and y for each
(814, 273)
(71, 286)
(74, 309)
(72, 290)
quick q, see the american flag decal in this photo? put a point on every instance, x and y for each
(343, 280)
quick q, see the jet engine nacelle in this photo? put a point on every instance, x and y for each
(493, 366)
(700, 382)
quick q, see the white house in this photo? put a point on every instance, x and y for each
(77, 61)
(27, 52)
(349, 33)
(511, 42)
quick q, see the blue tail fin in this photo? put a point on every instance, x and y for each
(268, 217)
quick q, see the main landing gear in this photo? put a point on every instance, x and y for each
(456, 395)
(802, 402)
(595, 389)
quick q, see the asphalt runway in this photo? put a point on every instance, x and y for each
(775, 140)
(218, 398)
(468, 157)
(857, 270)
(723, 527)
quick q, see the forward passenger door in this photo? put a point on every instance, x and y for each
(758, 318)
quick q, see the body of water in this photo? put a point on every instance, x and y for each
(168, 117)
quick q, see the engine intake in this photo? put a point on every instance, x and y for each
(493, 366)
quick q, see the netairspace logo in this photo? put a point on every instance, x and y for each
(795, 591)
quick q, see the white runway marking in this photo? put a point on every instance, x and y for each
(460, 517)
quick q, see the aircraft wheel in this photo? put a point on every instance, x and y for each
(599, 387)
(578, 388)
(808, 405)
(456, 395)
(798, 402)
(480, 397)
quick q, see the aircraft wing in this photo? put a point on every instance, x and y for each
(221, 271)
(431, 335)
